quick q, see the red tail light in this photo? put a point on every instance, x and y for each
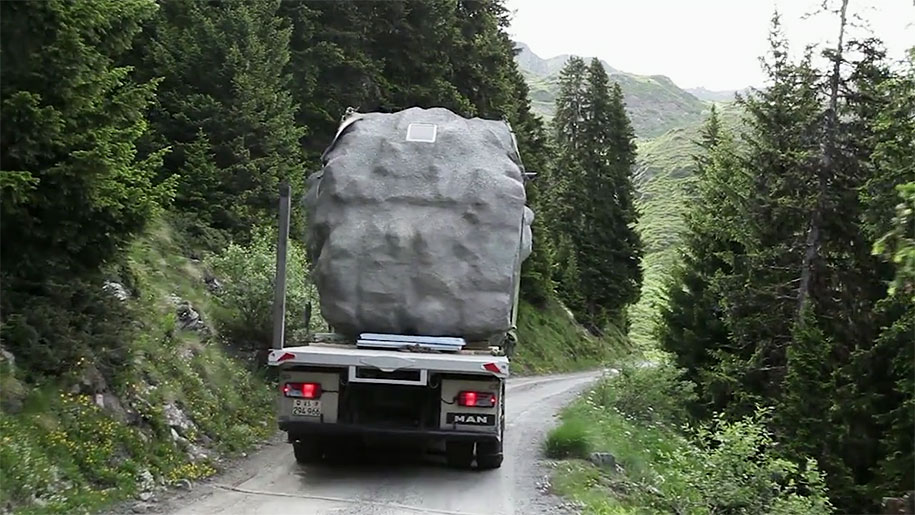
(476, 399)
(302, 390)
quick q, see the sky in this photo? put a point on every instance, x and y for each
(714, 44)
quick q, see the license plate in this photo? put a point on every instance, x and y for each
(306, 408)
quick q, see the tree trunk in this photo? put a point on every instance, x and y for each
(812, 246)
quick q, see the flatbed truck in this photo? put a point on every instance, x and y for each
(333, 390)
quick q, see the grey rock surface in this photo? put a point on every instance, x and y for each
(603, 459)
(117, 290)
(419, 237)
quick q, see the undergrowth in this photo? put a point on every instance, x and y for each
(667, 466)
(91, 434)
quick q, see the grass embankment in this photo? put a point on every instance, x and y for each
(660, 464)
(549, 340)
(100, 433)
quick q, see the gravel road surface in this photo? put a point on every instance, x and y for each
(396, 482)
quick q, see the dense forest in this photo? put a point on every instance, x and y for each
(143, 143)
(126, 122)
(115, 112)
(794, 291)
(203, 109)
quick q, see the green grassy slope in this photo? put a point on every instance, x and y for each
(65, 448)
(549, 340)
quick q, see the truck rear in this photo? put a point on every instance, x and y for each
(334, 395)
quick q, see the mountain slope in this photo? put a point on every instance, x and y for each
(712, 95)
(655, 104)
(666, 119)
(530, 62)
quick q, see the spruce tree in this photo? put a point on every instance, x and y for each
(486, 72)
(571, 103)
(331, 67)
(74, 186)
(607, 246)
(888, 366)
(803, 326)
(780, 167)
(224, 75)
(537, 284)
(593, 186)
(568, 275)
(693, 326)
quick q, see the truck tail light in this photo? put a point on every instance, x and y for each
(302, 390)
(477, 399)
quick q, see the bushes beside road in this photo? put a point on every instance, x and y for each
(658, 463)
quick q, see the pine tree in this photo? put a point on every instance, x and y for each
(223, 69)
(693, 326)
(74, 187)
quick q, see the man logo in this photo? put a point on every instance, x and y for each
(471, 419)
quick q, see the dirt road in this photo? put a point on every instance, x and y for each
(271, 482)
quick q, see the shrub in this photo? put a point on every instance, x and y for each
(51, 326)
(570, 439)
(649, 393)
(724, 466)
(734, 467)
(247, 273)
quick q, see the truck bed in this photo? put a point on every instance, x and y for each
(348, 355)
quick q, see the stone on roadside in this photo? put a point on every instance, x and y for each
(603, 459)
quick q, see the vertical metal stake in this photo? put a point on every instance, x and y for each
(279, 293)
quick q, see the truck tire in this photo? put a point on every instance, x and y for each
(489, 455)
(459, 454)
(306, 451)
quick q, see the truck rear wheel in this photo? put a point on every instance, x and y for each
(489, 455)
(459, 454)
(306, 451)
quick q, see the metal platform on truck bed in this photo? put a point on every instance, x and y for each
(348, 355)
(401, 341)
